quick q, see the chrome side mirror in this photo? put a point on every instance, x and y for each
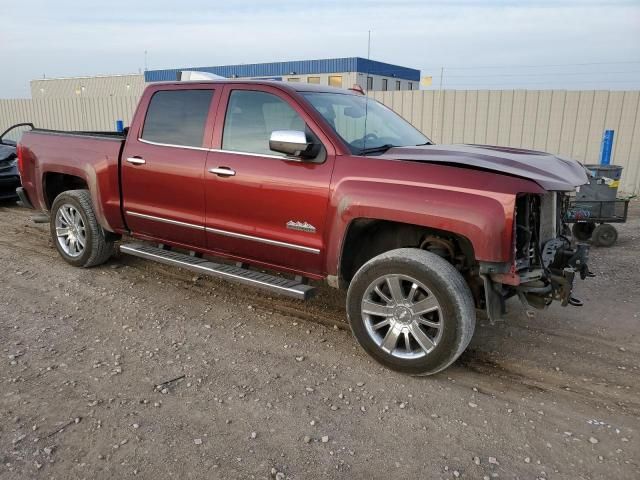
(290, 142)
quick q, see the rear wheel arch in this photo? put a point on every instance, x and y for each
(54, 183)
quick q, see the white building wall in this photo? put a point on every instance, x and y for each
(133, 85)
(348, 78)
(378, 83)
(89, 87)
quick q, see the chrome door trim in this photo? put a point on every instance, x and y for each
(216, 150)
(276, 243)
(164, 220)
(250, 154)
(159, 144)
(226, 233)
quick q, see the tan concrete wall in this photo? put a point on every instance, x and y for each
(569, 123)
(68, 113)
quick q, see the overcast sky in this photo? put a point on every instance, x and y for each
(62, 38)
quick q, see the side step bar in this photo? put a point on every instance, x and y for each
(291, 288)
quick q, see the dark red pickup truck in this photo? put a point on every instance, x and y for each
(316, 183)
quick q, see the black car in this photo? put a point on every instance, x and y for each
(9, 177)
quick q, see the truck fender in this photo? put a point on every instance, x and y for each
(89, 176)
(483, 218)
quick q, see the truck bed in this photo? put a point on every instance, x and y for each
(49, 155)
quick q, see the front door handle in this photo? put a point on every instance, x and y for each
(136, 160)
(223, 171)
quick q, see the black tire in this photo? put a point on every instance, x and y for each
(97, 249)
(604, 235)
(583, 231)
(455, 317)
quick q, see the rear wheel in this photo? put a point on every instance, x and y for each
(76, 234)
(411, 310)
(604, 235)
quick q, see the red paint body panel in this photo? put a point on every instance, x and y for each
(475, 204)
(266, 192)
(91, 158)
(170, 185)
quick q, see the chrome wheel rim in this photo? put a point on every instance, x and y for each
(70, 230)
(402, 316)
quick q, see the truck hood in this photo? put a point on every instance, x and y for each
(548, 171)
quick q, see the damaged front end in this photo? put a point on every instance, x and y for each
(546, 262)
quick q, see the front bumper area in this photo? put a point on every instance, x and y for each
(561, 263)
(537, 288)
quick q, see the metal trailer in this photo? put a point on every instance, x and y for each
(591, 219)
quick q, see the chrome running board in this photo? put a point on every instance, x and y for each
(283, 286)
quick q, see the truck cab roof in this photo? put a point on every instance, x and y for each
(286, 86)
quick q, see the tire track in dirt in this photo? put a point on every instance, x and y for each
(327, 309)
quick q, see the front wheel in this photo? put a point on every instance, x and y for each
(77, 235)
(411, 310)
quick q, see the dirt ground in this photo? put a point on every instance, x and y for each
(276, 388)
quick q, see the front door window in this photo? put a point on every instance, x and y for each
(252, 116)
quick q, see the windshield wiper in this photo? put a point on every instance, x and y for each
(379, 149)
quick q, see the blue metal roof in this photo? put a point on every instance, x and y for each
(301, 67)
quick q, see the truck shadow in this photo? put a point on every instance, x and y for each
(9, 203)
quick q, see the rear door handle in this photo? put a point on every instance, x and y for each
(222, 171)
(136, 160)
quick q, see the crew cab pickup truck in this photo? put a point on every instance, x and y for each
(235, 178)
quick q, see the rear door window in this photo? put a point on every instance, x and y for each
(177, 117)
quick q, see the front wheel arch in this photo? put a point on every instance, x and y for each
(366, 238)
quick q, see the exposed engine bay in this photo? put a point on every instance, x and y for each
(546, 262)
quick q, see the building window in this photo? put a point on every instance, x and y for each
(385, 84)
(369, 83)
(177, 117)
(335, 81)
(252, 116)
(397, 84)
(313, 79)
(410, 85)
(293, 79)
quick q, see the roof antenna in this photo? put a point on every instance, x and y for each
(366, 100)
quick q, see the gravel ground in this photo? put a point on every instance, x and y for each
(138, 370)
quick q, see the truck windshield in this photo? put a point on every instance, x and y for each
(380, 130)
